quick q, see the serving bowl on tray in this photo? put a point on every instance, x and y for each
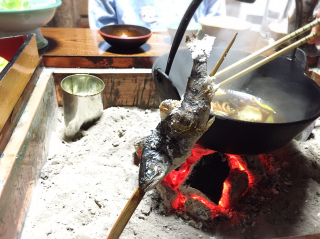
(125, 36)
(23, 18)
(225, 26)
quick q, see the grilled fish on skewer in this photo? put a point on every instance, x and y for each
(183, 122)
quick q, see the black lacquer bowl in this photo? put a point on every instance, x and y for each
(125, 36)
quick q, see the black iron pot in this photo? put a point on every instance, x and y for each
(281, 82)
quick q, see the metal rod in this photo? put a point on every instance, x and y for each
(180, 32)
(293, 54)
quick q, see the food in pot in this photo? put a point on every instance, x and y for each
(242, 106)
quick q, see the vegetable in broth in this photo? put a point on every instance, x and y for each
(242, 106)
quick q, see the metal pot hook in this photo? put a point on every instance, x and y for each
(180, 32)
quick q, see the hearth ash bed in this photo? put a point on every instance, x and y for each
(85, 184)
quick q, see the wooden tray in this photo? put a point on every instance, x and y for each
(23, 57)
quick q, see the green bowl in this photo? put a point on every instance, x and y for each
(18, 17)
(31, 5)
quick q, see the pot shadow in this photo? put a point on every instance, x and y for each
(289, 204)
(104, 46)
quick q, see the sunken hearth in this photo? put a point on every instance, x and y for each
(212, 186)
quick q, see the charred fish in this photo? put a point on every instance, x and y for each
(182, 122)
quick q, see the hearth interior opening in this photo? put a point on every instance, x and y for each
(208, 176)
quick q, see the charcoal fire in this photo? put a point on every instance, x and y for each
(209, 184)
(235, 185)
(203, 183)
(206, 178)
(253, 164)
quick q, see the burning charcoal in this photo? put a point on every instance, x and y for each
(195, 224)
(206, 178)
(167, 194)
(253, 164)
(136, 158)
(197, 208)
(236, 184)
(138, 146)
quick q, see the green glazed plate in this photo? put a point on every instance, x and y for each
(27, 5)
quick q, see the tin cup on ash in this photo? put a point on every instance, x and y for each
(82, 101)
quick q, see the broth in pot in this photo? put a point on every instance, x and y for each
(243, 106)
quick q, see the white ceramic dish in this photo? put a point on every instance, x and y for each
(192, 28)
(278, 30)
(15, 22)
(224, 28)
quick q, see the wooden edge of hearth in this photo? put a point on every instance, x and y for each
(25, 154)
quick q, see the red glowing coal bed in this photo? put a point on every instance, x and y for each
(210, 184)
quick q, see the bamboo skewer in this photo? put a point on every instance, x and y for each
(269, 47)
(126, 214)
(270, 58)
(215, 69)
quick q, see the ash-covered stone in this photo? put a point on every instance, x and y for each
(197, 225)
(197, 209)
(253, 164)
(239, 183)
(167, 194)
(206, 178)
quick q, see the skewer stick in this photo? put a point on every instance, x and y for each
(269, 47)
(215, 69)
(126, 213)
(270, 58)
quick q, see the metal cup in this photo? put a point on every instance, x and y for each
(82, 101)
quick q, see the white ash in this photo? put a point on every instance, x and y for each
(85, 185)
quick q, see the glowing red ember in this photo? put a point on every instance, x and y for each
(176, 178)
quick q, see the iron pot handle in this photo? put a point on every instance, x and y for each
(180, 32)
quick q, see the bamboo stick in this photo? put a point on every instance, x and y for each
(310, 236)
(126, 214)
(215, 69)
(270, 58)
(269, 47)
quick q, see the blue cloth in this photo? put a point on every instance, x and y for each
(154, 14)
